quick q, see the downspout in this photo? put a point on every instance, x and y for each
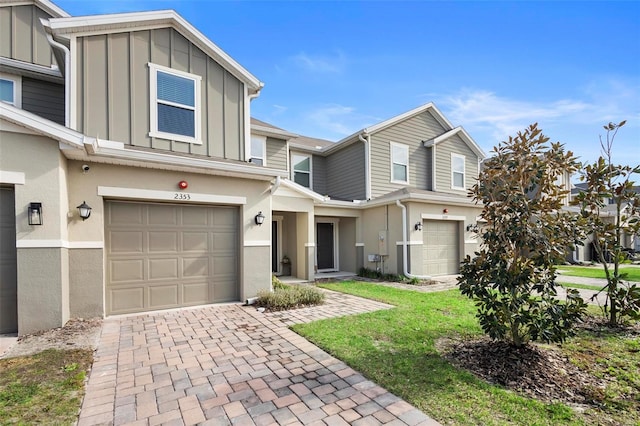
(276, 185)
(67, 78)
(405, 262)
(367, 163)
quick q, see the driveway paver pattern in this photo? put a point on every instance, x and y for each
(229, 364)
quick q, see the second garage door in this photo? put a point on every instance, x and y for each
(441, 247)
(162, 256)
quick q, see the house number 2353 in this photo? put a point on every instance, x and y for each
(181, 196)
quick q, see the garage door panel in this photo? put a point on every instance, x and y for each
(195, 216)
(163, 296)
(196, 293)
(441, 247)
(163, 215)
(127, 270)
(162, 242)
(195, 241)
(126, 242)
(163, 268)
(175, 257)
(125, 214)
(126, 299)
(195, 267)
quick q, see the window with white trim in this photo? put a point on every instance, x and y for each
(11, 89)
(301, 166)
(399, 163)
(258, 150)
(457, 171)
(175, 104)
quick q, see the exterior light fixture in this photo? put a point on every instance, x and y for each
(84, 210)
(34, 213)
(472, 227)
(418, 226)
(259, 218)
(445, 211)
(183, 184)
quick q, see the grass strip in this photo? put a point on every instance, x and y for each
(632, 273)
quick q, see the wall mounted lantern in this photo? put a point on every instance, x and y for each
(84, 210)
(259, 218)
(472, 227)
(418, 226)
(34, 213)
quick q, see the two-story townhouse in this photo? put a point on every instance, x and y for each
(143, 119)
(391, 197)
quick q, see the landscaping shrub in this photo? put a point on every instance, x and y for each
(286, 296)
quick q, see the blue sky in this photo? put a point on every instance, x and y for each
(332, 68)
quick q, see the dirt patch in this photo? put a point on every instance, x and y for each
(77, 333)
(536, 371)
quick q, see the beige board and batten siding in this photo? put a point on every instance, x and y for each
(410, 132)
(443, 165)
(346, 173)
(276, 154)
(167, 256)
(22, 36)
(112, 91)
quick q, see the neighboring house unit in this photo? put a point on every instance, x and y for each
(142, 118)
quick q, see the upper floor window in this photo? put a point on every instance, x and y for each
(301, 169)
(399, 163)
(175, 104)
(10, 90)
(258, 150)
(457, 171)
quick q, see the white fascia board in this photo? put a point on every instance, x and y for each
(45, 5)
(463, 135)
(117, 150)
(34, 70)
(270, 131)
(41, 125)
(127, 21)
(302, 190)
(423, 198)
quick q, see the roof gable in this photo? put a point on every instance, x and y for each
(123, 22)
(462, 134)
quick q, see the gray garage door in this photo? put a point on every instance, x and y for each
(8, 269)
(441, 247)
(166, 256)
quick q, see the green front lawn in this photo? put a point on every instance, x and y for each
(396, 348)
(45, 388)
(633, 274)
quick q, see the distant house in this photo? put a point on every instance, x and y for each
(147, 122)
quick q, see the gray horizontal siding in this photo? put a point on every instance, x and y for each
(276, 154)
(320, 175)
(410, 132)
(345, 173)
(44, 99)
(22, 36)
(113, 91)
(443, 164)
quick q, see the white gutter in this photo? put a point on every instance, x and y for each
(367, 163)
(276, 185)
(67, 76)
(405, 262)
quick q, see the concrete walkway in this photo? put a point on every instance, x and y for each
(228, 364)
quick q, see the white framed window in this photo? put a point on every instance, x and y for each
(457, 171)
(258, 150)
(301, 166)
(399, 162)
(11, 89)
(175, 104)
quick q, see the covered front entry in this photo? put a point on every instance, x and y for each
(162, 256)
(441, 247)
(8, 262)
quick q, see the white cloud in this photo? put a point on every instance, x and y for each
(333, 63)
(278, 109)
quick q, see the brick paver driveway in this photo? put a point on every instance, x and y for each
(228, 364)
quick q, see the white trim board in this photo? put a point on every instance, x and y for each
(15, 178)
(59, 244)
(174, 196)
(410, 243)
(257, 243)
(442, 217)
